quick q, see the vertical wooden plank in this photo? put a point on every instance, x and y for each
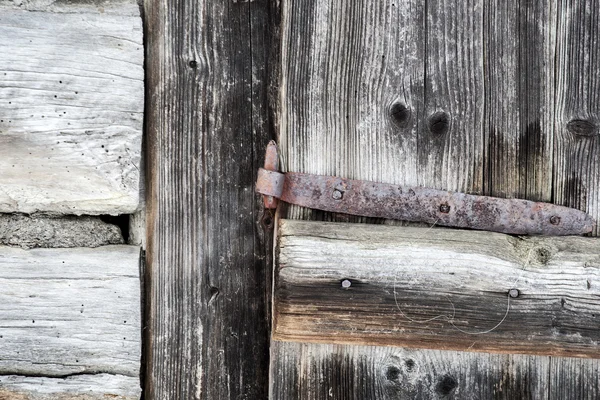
(451, 146)
(207, 333)
(572, 378)
(577, 128)
(518, 102)
(351, 98)
(535, 101)
(317, 371)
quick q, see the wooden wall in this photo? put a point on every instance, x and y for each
(71, 114)
(207, 252)
(484, 97)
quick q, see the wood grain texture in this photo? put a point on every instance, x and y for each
(577, 127)
(78, 387)
(207, 115)
(335, 372)
(70, 312)
(351, 98)
(437, 288)
(71, 107)
(518, 46)
(489, 65)
(452, 141)
(574, 378)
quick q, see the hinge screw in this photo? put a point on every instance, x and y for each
(555, 220)
(337, 194)
(444, 208)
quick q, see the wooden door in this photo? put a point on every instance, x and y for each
(486, 97)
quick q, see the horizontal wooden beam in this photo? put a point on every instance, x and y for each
(71, 106)
(437, 288)
(69, 315)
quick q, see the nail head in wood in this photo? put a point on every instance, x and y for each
(445, 208)
(337, 194)
(346, 283)
(513, 293)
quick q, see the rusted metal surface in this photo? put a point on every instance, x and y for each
(271, 164)
(372, 199)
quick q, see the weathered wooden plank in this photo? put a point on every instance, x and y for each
(437, 288)
(70, 312)
(351, 98)
(574, 378)
(452, 139)
(72, 98)
(518, 97)
(577, 126)
(208, 332)
(318, 371)
(78, 387)
(502, 86)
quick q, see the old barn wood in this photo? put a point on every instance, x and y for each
(208, 255)
(436, 288)
(70, 321)
(71, 114)
(481, 97)
(71, 106)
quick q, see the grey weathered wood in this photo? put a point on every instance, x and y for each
(489, 64)
(436, 288)
(78, 387)
(207, 127)
(518, 97)
(71, 106)
(351, 98)
(450, 138)
(574, 378)
(319, 371)
(67, 312)
(577, 125)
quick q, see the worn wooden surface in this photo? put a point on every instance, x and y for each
(78, 387)
(577, 104)
(71, 106)
(319, 371)
(207, 126)
(436, 288)
(473, 96)
(460, 96)
(70, 313)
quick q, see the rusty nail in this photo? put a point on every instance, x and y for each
(337, 194)
(444, 208)
(555, 220)
(346, 283)
(514, 293)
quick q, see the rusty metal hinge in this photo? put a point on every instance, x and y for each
(440, 207)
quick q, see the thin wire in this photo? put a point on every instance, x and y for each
(450, 318)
